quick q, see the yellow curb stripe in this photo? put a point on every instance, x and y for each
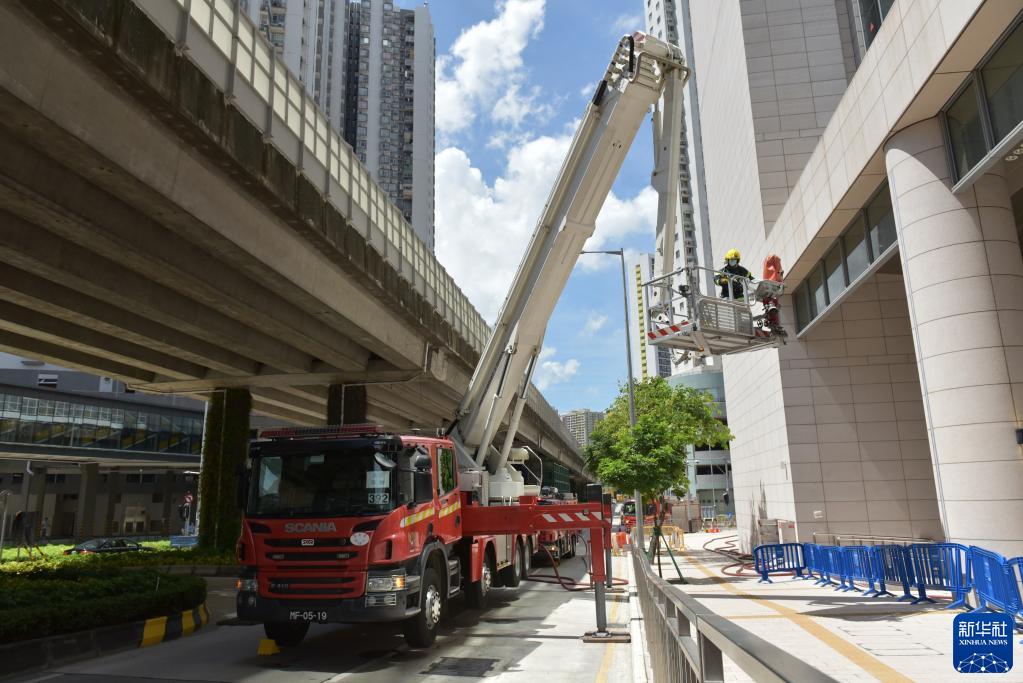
(857, 655)
(204, 614)
(153, 631)
(187, 623)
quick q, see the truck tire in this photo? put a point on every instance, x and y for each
(527, 566)
(286, 633)
(571, 546)
(479, 591)
(421, 630)
(512, 575)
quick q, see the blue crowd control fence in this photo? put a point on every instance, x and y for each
(1016, 578)
(856, 562)
(833, 565)
(778, 557)
(891, 564)
(941, 566)
(812, 558)
(993, 581)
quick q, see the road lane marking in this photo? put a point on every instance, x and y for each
(858, 656)
(605, 662)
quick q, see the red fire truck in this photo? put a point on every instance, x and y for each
(353, 524)
(560, 543)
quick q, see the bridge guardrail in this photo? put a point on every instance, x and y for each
(688, 642)
(226, 46)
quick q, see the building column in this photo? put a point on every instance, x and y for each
(33, 491)
(110, 524)
(87, 487)
(225, 449)
(168, 512)
(346, 404)
(964, 283)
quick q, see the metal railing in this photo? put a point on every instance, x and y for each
(866, 539)
(230, 50)
(688, 642)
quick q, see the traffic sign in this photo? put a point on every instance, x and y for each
(189, 498)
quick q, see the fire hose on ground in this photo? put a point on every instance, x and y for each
(569, 583)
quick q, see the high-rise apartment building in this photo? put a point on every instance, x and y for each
(581, 423)
(875, 146)
(648, 360)
(370, 67)
(692, 236)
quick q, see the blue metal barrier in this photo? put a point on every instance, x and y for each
(993, 581)
(856, 559)
(891, 564)
(812, 558)
(1015, 566)
(941, 566)
(831, 562)
(778, 557)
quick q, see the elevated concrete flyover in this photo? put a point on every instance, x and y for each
(176, 213)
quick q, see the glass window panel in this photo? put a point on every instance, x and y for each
(12, 404)
(1003, 84)
(881, 221)
(870, 18)
(834, 272)
(201, 13)
(965, 130)
(856, 257)
(817, 299)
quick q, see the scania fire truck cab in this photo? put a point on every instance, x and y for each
(349, 524)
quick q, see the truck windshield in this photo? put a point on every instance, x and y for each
(352, 481)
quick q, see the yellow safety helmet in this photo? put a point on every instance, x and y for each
(733, 253)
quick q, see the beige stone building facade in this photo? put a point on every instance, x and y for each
(875, 146)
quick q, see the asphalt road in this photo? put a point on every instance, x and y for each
(527, 633)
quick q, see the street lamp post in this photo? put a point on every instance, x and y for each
(620, 253)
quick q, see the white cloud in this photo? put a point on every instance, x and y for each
(593, 323)
(484, 68)
(550, 372)
(627, 23)
(483, 229)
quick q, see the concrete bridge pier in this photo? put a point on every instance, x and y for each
(225, 448)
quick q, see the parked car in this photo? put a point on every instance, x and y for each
(107, 545)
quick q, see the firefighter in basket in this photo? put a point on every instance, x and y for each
(733, 269)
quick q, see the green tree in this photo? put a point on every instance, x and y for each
(651, 457)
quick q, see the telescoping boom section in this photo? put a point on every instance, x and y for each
(640, 71)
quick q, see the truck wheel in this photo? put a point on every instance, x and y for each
(421, 630)
(527, 565)
(479, 591)
(286, 633)
(571, 546)
(512, 574)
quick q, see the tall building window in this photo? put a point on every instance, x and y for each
(988, 107)
(869, 238)
(872, 14)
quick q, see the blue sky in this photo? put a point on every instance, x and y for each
(513, 77)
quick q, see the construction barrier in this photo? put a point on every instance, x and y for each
(856, 567)
(993, 581)
(832, 564)
(778, 557)
(941, 566)
(1016, 578)
(812, 557)
(891, 564)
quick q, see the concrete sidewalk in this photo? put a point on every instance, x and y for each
(846, 635)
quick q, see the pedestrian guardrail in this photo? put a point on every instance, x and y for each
(941, 566)
(891, 564)
(778, 557)
(996, 581)
(689, 642)
(993, 581)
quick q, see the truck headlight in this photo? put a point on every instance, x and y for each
(247, 585)
(385, 584)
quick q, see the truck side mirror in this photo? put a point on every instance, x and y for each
(423, 484)
(241, 493)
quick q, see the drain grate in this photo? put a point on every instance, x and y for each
(469, 667)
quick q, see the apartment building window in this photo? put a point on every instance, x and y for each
(987, 110)
(869, 238)
(872, 14)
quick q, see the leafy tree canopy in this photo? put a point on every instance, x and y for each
(651, 456)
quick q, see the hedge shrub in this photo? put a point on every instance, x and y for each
(114, 561)
(63, 599)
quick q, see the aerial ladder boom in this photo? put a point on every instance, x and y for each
(641, 69)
